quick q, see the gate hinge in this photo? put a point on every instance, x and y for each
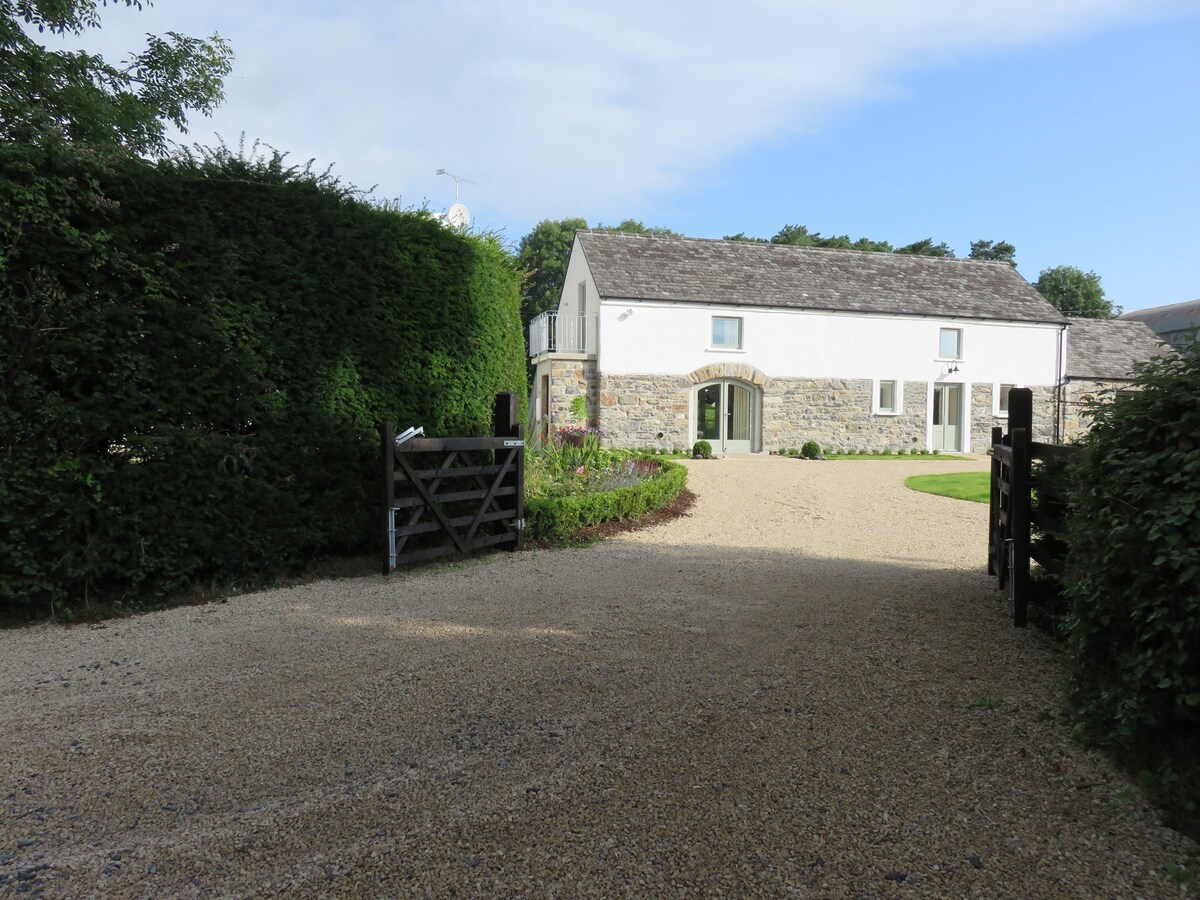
(519, 524)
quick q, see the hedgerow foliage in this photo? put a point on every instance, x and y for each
(1134, 575)
(194, 355)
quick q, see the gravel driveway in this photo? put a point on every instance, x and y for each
(807, 687)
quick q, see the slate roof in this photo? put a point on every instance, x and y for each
(1164, 319)
(637, 267)
(1109, 348)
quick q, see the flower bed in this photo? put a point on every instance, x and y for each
(573, 483)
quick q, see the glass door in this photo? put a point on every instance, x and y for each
(947, 417)
(725, 416)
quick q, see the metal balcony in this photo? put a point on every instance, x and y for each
(552, 333)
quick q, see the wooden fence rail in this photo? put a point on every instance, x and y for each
(1027, 518)
(467, 493)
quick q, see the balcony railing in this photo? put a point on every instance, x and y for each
(552, 333)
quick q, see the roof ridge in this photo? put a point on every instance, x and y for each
(760, 245)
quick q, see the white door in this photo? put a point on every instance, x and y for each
(947, 417)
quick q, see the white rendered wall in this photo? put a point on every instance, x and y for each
(577, 271)
(665, 339)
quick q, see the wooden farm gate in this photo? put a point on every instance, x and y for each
(465, 494)
(1027, 515)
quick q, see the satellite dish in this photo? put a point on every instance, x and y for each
(458, 216)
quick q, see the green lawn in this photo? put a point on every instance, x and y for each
(959, 485)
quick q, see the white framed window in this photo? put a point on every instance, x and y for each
(726, 333)
(950, 343)
(1000, 399)
(889, 397)
(582, 298)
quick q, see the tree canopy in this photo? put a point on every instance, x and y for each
(90, 101)
(926, 247)
(800, 236)
(1074, 292)
(996, 251)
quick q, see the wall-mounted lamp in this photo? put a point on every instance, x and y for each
(953, 370)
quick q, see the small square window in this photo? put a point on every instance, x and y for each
(887, 397)
(727, 333)
(1002, 399)
(950, 343)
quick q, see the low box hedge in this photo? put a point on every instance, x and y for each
(555, 519)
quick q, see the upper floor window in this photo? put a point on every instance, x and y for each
(950, 343)
(726, 333)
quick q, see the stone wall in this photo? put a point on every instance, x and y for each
(982, 420)
(645, 410)
(569, 377)
(1076, 393)
(836, 413)
(654, 411)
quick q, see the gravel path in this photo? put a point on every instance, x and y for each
(807, 687)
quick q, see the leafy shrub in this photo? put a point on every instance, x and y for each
(902, 452)
(1133, 575)
(810, 450)
(886, 451)
(555, 519)
(702, 450)
(579, 408)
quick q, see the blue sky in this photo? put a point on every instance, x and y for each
(1068, 127)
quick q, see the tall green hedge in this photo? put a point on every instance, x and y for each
(194, 357)
(1134, 578)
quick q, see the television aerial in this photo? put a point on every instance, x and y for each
(458, 215)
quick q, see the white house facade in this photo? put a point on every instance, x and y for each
(757, 347)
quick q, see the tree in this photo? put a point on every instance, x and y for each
(1074, 292)
(632, 226)
(926, 247)
(743, 238)
(997, 251)
(89, 101)
(800, 236)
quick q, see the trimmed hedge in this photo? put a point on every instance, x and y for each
(194, 356)
(555, 519)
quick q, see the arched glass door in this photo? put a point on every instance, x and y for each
(725, 415)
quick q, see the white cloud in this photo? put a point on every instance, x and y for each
(562, 108)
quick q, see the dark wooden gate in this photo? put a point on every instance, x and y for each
(465, 494)
(1024, 507)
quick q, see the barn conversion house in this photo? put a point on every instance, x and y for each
(755, 347)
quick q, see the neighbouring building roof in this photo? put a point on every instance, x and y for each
(1168, 320)
(1109, 348)
(637, 267)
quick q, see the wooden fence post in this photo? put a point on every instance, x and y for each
(993, 502)
(506, 423)
(388, 449)
(1020, 422)
(1018, 587)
